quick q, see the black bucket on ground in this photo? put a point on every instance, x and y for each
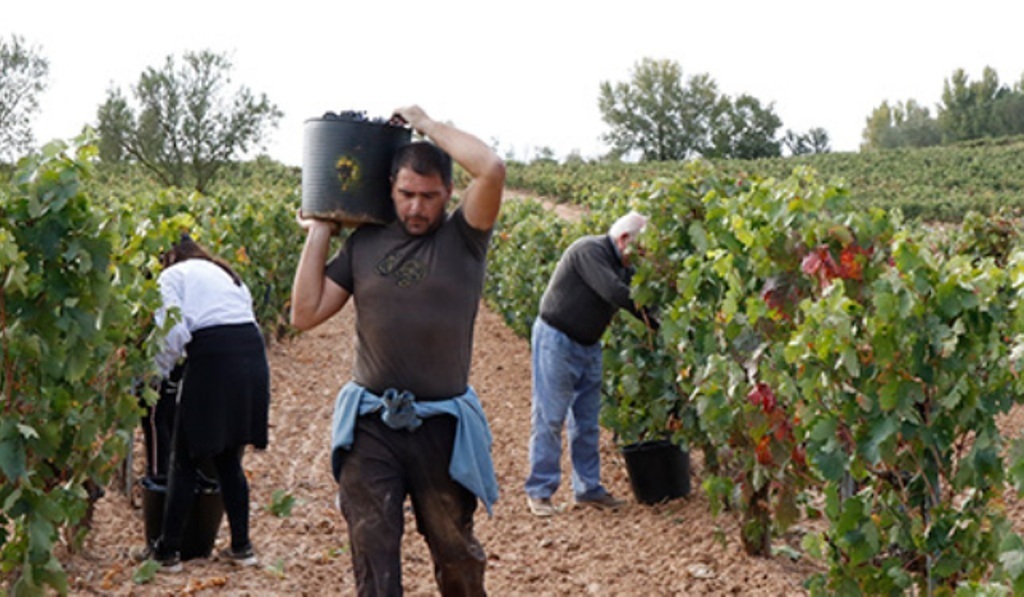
(346, 168)
(659, 470)
(201, 523)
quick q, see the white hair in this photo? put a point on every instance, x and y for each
(630, 224)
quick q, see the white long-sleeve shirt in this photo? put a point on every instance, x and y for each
(206, 296)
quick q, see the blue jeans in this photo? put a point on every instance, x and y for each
(566, 386)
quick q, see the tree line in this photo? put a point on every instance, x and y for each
(659, 116)
(969, 110)
(183, 121)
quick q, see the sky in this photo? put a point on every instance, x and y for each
(525, 74)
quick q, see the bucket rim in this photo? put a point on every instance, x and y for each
(383, 125)
(650, 444)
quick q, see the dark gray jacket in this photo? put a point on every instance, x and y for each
(589, 285)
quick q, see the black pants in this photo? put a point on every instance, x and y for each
(181, 490)
(383, 467)
(223, 407)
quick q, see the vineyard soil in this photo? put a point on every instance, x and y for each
(675, 548)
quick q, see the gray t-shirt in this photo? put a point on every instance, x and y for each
(416, 300)
(589, 285)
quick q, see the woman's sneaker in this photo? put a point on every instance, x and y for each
(168, 563)
(243, 558)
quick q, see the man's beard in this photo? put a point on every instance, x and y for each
(424, 225)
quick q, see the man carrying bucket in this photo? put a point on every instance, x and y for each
(409, 423)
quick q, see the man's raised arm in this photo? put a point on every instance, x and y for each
(482, 198)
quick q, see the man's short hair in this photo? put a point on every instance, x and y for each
(423, 158)
(630, 224)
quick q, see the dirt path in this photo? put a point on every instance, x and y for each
(675, 548)
(569, 211)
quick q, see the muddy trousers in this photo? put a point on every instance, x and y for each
(383, 467)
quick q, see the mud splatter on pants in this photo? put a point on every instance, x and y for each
(383, 467)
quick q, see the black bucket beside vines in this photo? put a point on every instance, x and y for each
(201, 523)
(203, 520)
(346, 167)
(659, 470)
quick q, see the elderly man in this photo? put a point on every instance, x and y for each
(590, 284)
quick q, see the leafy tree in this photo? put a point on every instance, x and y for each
(661, 117)
(23, 76)
(795, 143)
(116, 120)
(879, 128)
(188, 123)
(1008, 111)
(814, 140)
(818, 138)
(647, 114)
(905, 124)
(967, 107)
(744, 129)
(657, 115)
(916, 126)
(703, 110)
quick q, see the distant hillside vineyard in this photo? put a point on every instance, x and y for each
(930, 184)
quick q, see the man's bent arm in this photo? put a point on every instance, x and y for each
(315, 298)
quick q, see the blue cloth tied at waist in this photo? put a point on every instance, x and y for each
(471, 464)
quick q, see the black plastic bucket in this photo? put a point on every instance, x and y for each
(201, 523)
(346, 168)
(658, 470)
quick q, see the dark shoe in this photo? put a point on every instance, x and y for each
(243, 558)
(601, 501)
(168, 563)
(541, 506)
